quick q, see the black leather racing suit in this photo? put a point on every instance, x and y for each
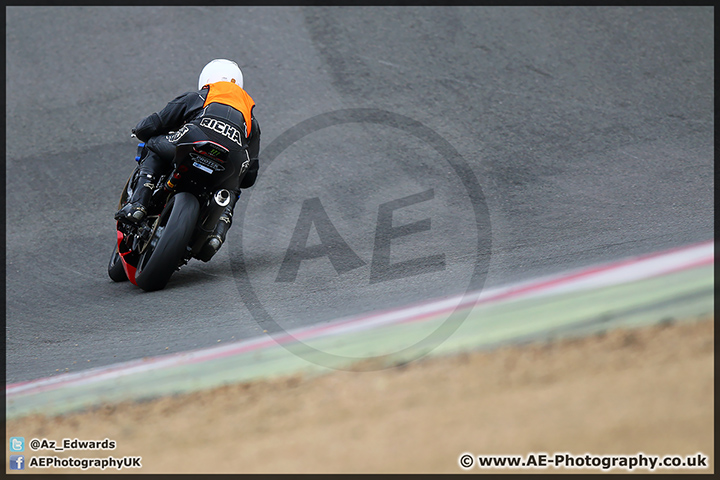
(186, 108)
(160, 148)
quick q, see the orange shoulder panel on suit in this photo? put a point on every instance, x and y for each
(231, 94)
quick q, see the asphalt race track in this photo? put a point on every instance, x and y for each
(407, 154)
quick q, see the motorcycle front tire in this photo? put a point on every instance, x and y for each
(116, 271)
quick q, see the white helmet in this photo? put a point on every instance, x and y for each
(220, 70)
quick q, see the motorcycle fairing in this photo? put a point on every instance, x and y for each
(129, 261)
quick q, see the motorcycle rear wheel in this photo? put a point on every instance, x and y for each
(168, 245)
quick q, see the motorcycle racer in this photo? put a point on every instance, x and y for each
(223, 110)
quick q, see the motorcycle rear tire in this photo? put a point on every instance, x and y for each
(169, 244)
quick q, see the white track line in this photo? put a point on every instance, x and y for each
(627, 270)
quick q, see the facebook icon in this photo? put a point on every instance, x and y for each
(17, 462)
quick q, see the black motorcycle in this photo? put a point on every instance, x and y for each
(182, 213)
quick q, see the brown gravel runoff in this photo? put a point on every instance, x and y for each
(649, 390)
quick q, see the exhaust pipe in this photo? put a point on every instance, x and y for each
(222, 197)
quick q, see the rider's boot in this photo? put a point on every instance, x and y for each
(135, 210)
(216, 240)
(223, 225)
